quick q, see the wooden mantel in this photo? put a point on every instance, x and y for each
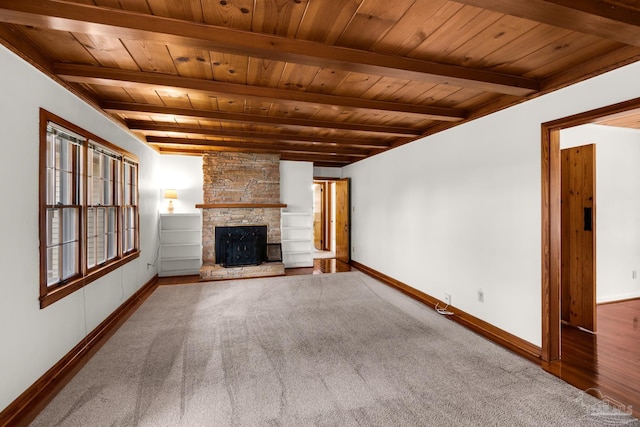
(240, 205)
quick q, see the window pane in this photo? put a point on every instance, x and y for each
(70, 225)
(134, 185)
(56, 186)
(127, 195)
(66, 155)
(78, 177)
(53, 266)
(129, 226)
(111, 220)
(91, 251)
(111, 233)
(100, 236)
(130, 240)
(111, 246)
(66, 188)
(101, 256)
(107, 167)
(107, 188)
(57, 144)
(91, 222)
(127, 184)
(53, 227)
(132, 217)
(69, 260)
(96, 182)
(96, 191)
(51, 187)
(117, 183)
(50, 159)
(91, 237)
(95, 162)
(108, 193)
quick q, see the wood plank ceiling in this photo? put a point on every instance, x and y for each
(326, 81)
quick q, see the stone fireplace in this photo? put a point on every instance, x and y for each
(240, 190)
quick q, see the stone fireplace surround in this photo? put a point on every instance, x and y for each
(239, 189)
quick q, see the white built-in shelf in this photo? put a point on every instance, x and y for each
(180, 244)
(297, 239)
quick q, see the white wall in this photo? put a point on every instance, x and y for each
(617, 207)
(461, 210)
(184, 174)
(33, 340)
(296, 180)
(327, 172)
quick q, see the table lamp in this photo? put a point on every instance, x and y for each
(170, 194)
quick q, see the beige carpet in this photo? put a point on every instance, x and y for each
(327, 350)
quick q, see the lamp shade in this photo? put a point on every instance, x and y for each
(170, 194)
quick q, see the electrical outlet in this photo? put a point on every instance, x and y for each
(447, 298)
(480, 295)
(634, 274)
(353, 249)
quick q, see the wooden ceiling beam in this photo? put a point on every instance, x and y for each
(328, 161)
(598, 18)
(336, 161)
(81, 18)
(186, 148)
(143, 125)
(279, 147)
(139, 79)
(224, 116)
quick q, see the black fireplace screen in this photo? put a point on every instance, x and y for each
(241, 245)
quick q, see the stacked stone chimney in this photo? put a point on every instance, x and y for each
(236, 188)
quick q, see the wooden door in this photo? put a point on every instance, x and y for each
(343, 230)
(578, 271)
(318, 232)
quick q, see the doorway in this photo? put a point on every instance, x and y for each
(331, 220)
(552, 215)
(323, 216)
(593, 361)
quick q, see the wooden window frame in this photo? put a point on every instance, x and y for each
(130, 203)
(86, 275)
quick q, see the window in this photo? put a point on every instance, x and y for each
(63, 203)
(89, 208)
(102, 210)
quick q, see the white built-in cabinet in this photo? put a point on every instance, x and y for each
(297, 239)
(180, 244)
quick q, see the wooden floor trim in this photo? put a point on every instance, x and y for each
(28, 405)
(487, 330)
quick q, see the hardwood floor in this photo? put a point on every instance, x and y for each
(320, 266)
(607, 362)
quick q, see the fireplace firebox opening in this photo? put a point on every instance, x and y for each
(243, 245)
